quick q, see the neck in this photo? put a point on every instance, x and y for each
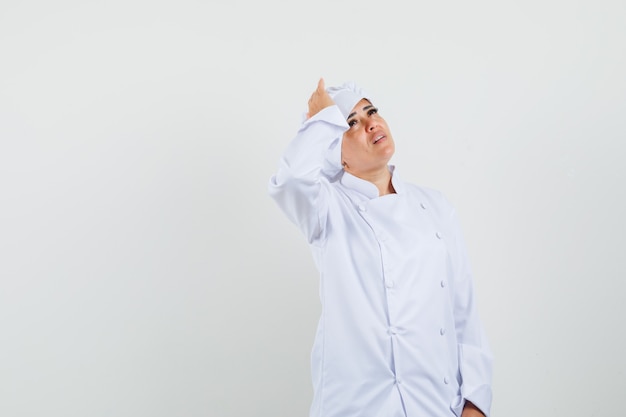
(380, 178)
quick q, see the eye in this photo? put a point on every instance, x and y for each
(351, 122)
(371, 111)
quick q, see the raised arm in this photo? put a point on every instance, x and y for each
(310, 162)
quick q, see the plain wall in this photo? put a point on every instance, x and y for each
(144, 271)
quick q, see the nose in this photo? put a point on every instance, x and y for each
(370, 125)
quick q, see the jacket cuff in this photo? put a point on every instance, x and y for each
(331, 115)
(476, 369)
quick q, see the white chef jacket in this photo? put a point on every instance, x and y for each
(399, 334)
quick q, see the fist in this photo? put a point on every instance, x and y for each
(319, 100)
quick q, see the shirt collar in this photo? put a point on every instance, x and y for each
(367, 188)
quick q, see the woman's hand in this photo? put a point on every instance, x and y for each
(470, 410)
(319, 100)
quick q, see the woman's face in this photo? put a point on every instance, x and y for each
(367, 145)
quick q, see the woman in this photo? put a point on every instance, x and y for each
(399, 334)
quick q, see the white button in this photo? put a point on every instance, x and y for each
(393, 330)
(389, 283)
(398, 381)
(445, 380)
(442, 331)
(438, 235)
(443, 284)
(423, 206)
(362, 206)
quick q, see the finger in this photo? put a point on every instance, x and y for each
(320, 85)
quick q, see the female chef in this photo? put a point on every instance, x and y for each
(399, 333)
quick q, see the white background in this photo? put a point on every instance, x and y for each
(144, 271)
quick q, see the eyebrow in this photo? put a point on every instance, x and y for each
(354, 113)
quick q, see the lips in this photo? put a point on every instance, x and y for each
(378, 138)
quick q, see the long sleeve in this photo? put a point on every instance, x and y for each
(475, 358)
(312, 159)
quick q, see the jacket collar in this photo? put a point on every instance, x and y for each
(367, 188)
